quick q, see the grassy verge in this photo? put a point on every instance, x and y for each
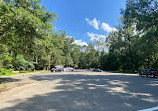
(26, 72)
(1, 86)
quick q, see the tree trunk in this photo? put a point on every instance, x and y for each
(148, 62)
(49, 62)
(130, 54)
(36, 59)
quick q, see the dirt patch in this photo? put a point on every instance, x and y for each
(2, 86)
(8, 87)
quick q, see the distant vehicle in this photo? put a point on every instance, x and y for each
(97, 70)
(69, 69)
(53, 70)
(91, 69)
(59, 69)
(149, 72)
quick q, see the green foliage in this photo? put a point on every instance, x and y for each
(28, 39)
(20, 63)
(134, 45)
(5, 60)
(4, 71)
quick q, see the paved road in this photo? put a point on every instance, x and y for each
(79, 91)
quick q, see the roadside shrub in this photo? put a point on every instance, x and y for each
(22, 64)
(4, 71)
(5, 61)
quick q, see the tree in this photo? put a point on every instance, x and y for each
(75, 56)
(68, 50)
(144, 14)
(22, 22)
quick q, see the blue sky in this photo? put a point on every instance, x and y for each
(86, 20)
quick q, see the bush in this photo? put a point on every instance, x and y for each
(22, 64)
(4, 71)
(6, 61)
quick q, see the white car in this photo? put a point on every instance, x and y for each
(97, 70)
(91, 69)
(69, 69)
(59, 69)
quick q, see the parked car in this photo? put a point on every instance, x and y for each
(59, 69)
(91, 69)
(148, 72)
(53, 70)
(69, 69)
(97, 70)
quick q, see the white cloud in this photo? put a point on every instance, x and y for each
(106, 27)
(93, 23)
(95, 36)
(99, 37)
(79, 42)
(101, 48)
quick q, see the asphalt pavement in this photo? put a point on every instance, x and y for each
(80, 90)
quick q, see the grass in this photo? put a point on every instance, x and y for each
(1, 86)
(26, 72)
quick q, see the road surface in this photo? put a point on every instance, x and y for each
(80, 90)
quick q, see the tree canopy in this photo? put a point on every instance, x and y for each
(29, 40)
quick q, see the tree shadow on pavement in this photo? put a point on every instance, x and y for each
(6, 80)
(93, 93)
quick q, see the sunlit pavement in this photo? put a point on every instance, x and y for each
(80, 90)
